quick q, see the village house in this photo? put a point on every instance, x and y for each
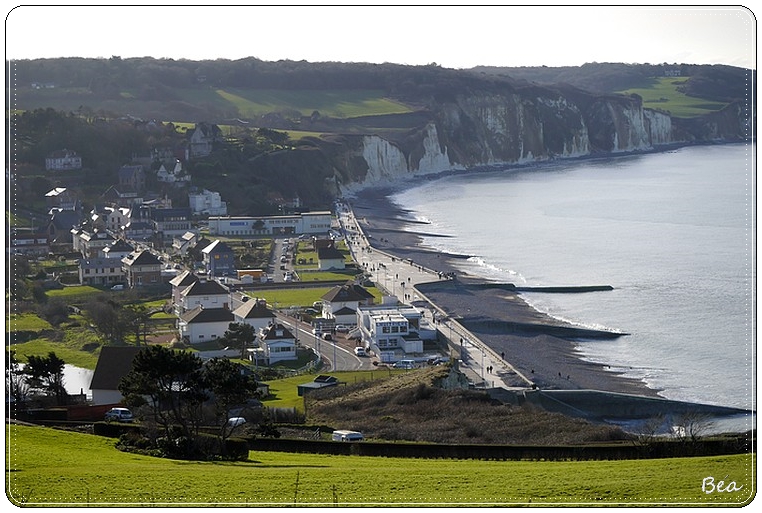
(341, 303)
(208, 294)
(201, 324)
(169, 223)
(117, 250)
(219, 259)
(100, 271)
(89, 241)
(330, 258)
(255, 313)
(142, 268)
(27, 242)
(180, 283)
(276, 343)
(63, 160)
(61, 198)
(202, 139)
(175, 176)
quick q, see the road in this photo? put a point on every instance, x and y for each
(337, 354)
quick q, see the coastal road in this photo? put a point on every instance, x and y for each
(337, 354)
(398, 277)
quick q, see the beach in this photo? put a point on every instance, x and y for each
(538, 346)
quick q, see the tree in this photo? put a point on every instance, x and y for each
(45, 373)
(15, 387)
(239, 335)
(229, 386)
(173, 382)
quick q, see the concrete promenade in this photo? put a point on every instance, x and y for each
(399, 278)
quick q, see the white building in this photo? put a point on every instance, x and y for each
(391, 331)
(204, 324)
(207, 203)
(307, 222)
(204, 293)
(277, 343)
(176, 176)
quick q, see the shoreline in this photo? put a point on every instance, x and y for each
(536, 344)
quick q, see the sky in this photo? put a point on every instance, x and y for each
(451, 36)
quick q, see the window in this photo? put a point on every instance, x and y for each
(385, 329)
(395, 329)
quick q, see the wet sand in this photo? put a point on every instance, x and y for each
(497, 316)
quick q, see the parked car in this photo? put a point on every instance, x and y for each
(118, 286)
(359, 351)
(341, 328)
(404, 364)
(119, 415)
(236, 421)
(327, 336)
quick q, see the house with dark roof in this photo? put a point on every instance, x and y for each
(204, 324)
(219, 259)
(100, 271)
(254, 312)
(204, 293)
(63, 160)
(114, 362)
(330, 258)
(202, 139)
(277, 343)
(120, 248)
(342, 301)
(142, 268)
(180, 283)
(169, 223)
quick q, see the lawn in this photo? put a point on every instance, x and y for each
(48, 468)
(284, 392)
(26, 322)
(663, 94)
(78, 291)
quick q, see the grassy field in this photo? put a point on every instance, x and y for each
(77, 291)
(663, 94)
(26, 322)
(284, 392)
(47, 467)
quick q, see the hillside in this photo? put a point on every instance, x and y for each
(414, 407)
(355, 125)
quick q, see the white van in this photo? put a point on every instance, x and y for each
(404, 364)
(346, 436)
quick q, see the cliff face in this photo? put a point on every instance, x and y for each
(487, 129)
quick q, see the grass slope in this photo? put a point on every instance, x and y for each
(47, 467)
(662, 94)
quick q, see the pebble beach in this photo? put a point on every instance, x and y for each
(498, 317)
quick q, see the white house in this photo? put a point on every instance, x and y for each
(204, 324)
(277, 344)
(205, 293)
(254, 312)
(330, 258)
(390, 331)
(176, 176)
(100, 271)
(180, 283)
(63, 160)
(208, 203)
(341, 302)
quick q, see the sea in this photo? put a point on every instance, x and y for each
(672, 232)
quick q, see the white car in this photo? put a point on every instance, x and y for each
(236, 421)
(359, 351)
(119, 415)
(341, 328)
